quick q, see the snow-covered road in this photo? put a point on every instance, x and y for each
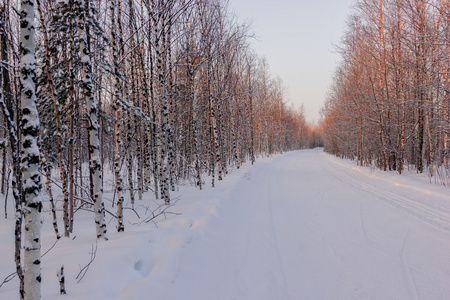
(302, 225)
(306, 225)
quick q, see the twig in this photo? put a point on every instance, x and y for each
(133, 211)
(84, 270)
(8, 278)
(51, 247)
(158, 212)
(90, 210)
(6, 196)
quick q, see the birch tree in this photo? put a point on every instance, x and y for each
(116, 106)
(10, 110)
(92, 110)
(29, 125)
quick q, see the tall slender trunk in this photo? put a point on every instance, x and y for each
(71, 138)
(3, 158)
(9, 108)
(234, 139)
(194, 121)
(250, 112)
(46, 168)
(91, 106)
(146, 128)
(154, 133)
(59, 137)
(164, 166)
(3, 80)
(153, 129)
(171, 145)
(31, 177)
(116, 106)
(212, 115)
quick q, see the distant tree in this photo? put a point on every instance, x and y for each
(116, 107)
(389, 102)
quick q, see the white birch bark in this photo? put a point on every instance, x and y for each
(47, 170)
(130, 155)
(250, 112)
(152, 148)
(215, 151)
(135, 102)
(59, 134)
(91, 106)
(154, 136)
(62, 281)
(191, 90)
(140, 163)
(116, 109)
(214, 130)
(190, 75)
(170, 137)
(8, 111)
(234, 139)
(164, 113)
(31, 179)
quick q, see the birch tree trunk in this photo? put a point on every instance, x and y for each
(170, 138)
(91, 106)
(47, 170)
(73, 111)
(153, 130)
(191, 89)
(8, 110)
(164, 110)
(134, 62)
(59, 134)
(3, 57)
(116, 110)
(152, 134)
(31, 177)
(250, 112)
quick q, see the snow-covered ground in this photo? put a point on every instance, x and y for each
(302, 225)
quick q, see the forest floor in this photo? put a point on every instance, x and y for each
(302, 225)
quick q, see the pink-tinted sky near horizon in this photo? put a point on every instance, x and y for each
(296, 37)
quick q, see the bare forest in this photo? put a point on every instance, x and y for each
(390, 101)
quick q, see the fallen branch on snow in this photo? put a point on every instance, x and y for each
(160, 212)
(84, 270)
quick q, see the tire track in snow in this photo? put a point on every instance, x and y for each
(276, 244)
(407, 272)
(268, 216)
(438, 217)
(260, 240)
(280, 233)
(306, 275)
(362, 223)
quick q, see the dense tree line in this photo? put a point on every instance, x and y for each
(389, 103)
(155, 92)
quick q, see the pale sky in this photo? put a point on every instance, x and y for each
(296, 37)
